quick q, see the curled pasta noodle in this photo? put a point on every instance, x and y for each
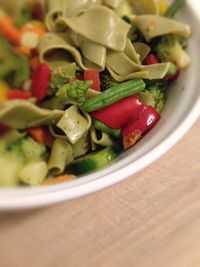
(61, 156)
(147, 72)
(94, 52)
(104, 139)
(58, 8)
(145, 7)
(58, 50)
(74, 124)
(153, 26)
(142, 50)
(81, 147)
(106, 21)
(21, 114)
(123, 67)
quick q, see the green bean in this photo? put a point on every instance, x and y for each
(106, 129)
(113, 95)
(173, 8)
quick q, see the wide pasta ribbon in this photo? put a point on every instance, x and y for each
(104, 43)
(21, 114)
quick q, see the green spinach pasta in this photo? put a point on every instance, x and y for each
(82, 81)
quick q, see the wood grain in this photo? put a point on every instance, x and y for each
(150, 220)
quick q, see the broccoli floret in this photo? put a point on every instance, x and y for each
(13, 157)
(153, 96)
(28, 149)
(8, 61)
(61, 75)
(23, 17)
(107, 80)
(10, 166)
(169, 48)
(74, 92)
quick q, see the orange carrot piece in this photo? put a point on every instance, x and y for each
(9, 31)
(23, 50)
(33, 27)
(59, 179)
(41, 135)
(34, 63)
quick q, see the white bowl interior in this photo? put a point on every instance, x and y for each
(180, 112)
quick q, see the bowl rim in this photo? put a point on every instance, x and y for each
(15, 199)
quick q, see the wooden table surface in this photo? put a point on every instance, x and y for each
(150, 220)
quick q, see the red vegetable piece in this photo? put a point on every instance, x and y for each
(117, 114)
(37, 11)
(3, 129)
(41, 135)
(93, 75)
(18, 94)
(146, 120)
(41, 78)
(151, 59)
(131, 139)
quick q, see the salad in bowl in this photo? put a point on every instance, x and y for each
(81, 82)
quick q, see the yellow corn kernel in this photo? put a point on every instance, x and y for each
(163, 6)
(3, 91)
(2, 14)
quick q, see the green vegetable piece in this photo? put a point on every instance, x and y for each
(8, 61)
(107, 80)
(13, 68)
(106, 129)
(168, 48)
(14, 155)
(22, 73)
(153, 96)
(113, 95)
(172, 69)
(94, 161)
(75, 92)
(61, 75)
(34, 173)
(174, 8)
(23, 17)
(10, 165)
(29, 149)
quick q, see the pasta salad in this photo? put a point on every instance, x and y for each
(82, 81)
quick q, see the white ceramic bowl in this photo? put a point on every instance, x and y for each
(182, 109)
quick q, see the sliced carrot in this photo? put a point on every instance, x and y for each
(41, 135)
(59, 179)
(36, 27)
(23, 50)
(34, 62)
(9, 31)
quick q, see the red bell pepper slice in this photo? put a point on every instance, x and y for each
(117, 114)
(134, 129)
(151, 59)
(147, 119)
(37, 11)
(3, 129)
(18, 94)
(41, 78)
(131, 139)
(93, 75)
